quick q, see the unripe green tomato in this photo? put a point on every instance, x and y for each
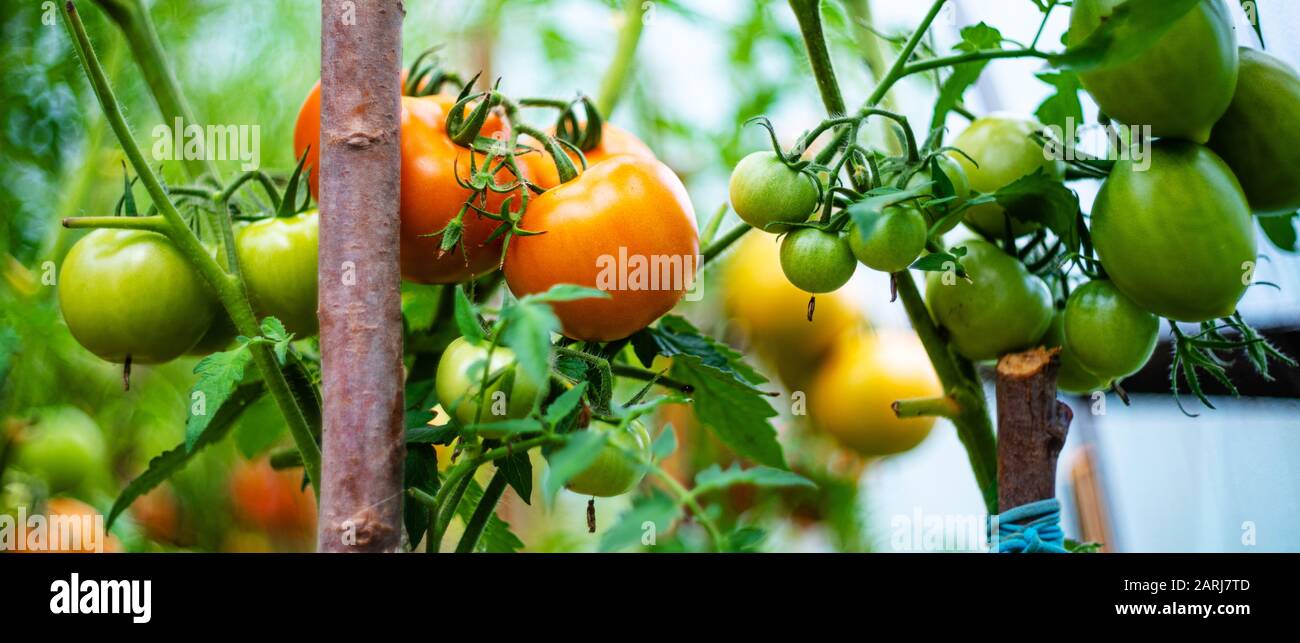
(1259, 136)
(1002, 309)
(817, 261)
(615, 471)
(511, 395)
(1072, 377)
(892, 241)
(1180, 85)
(278, 259)
(1177, 237)
(766, 193)
(1111, 336)
(131, 293)
(62, 446)
(960, 187)
(1003, 147)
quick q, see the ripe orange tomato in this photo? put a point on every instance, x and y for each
(431, 196)
(614, 140)
(625, 226)
(852, 398)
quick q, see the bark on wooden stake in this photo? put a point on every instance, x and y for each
(360, 303)
(1032, 425)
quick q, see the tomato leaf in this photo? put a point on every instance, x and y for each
(420, 472)
(1281, 231)
(420, 305)
(1040, 198)
(219, 375)
(715, 478)
(676, 336)
(642, 523)
(571, 459)
(167, 463)
(497, 537)
(732, 409)
(566, 292)
(1129, 30)
(1063, 107)
(528, 328)
(466, 318)
(518, 470)
(665, 443)
(744, 540)
(565, 404)
(980, 37)
(273, 331)
(942, 261)
(443, 435)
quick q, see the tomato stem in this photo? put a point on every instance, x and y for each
(153, 223)
(616, 75)
(943, 406)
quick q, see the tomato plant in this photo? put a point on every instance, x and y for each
(159, 307)
(625, 227)
(866, 373)
(997, 150)
(1258, 137)
(817, 261)
(278, 257)
(1177, 238)
(957, 180)
(1108, 333)
(1001, 307)
(509, 393)
(1180, 85)
(765, 192)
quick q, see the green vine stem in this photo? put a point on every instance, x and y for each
(228, 288)
(133, 19)
(808, 13)
(687, 498)
(487, 506)
(620, 67)
(715, 248)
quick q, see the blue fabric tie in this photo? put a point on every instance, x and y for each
(1031, 529)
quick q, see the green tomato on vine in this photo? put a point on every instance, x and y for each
(817, 261)
(767, 194)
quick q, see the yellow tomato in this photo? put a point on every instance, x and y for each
(773, 314)
(852, 396)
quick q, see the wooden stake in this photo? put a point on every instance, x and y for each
(1032, 425)
(360, 301)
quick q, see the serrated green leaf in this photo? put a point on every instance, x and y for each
(649, 515)
(518, 471)
(733, 410)
(665, 443)
(565, 404)
(715, 478)
(431, 434)
(978, 37)
(1131, 29)
(164, 465)
(420, 305)
(1063, 106)
(1040, 198)
(1281, 231)
(219, 375)
(528, 328)
(676, 336)
(571, 459)
(420, 472)
(466, 318)
(273, 331)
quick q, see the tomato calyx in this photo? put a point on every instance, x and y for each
(426, 76)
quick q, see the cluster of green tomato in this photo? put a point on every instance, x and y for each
(130, 294)
(1176, 239)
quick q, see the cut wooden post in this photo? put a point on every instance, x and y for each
(360, 301)
(1032, 425)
